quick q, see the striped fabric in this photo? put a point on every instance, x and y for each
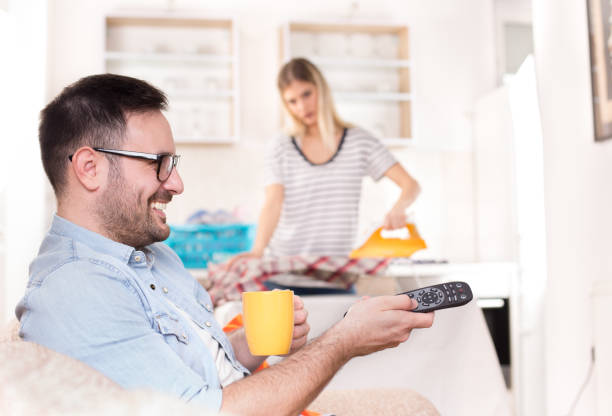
(321, 205)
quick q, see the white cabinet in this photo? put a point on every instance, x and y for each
(367, 67)
(193, 59)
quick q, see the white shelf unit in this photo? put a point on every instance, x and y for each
(368, 69)
(193, 59)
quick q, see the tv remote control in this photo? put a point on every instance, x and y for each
(441, 296)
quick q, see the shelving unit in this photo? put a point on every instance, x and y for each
(193, 59)
(368, 69)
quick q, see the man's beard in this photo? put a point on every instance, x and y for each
(124, 219)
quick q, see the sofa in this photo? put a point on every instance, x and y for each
(35, 380)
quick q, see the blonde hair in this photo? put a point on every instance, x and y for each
(301, 69)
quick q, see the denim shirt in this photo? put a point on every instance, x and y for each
(104, 303)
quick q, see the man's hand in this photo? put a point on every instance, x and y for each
(300, 324)
(286, 388)
(373, 324)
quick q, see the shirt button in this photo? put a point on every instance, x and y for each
(165, 289)
(152, 286)
(137, 258)
(208, 324)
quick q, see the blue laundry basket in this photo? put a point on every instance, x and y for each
(200, 244)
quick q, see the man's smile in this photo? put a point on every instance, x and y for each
(159, 208)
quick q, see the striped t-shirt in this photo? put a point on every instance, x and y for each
(321, 201)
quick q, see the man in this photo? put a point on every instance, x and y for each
(105, 291)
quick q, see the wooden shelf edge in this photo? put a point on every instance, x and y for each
(168, 57)
(206, 140)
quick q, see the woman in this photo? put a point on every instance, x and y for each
(314, 174)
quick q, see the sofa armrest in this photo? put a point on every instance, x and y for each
(10, 332)
(36, 380)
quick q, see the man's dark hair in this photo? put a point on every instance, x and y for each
(91, 112)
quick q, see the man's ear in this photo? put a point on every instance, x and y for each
(90, 168)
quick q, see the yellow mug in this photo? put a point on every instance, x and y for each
(268, 321)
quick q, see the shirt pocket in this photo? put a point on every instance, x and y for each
(204, 301)
(169, 326)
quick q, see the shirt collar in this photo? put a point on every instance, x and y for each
(95, 241)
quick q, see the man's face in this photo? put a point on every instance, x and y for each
(131, 208)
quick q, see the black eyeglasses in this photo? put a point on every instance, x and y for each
(165, 161)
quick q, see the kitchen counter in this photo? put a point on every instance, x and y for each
(488, 280)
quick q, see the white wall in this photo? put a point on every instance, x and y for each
(578, 200)
(452, 50)
(493, 178)
(23, 84)
(508, 12)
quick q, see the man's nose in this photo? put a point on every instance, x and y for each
(174, 183)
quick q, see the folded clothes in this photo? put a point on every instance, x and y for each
(249, 274)
(220, 216)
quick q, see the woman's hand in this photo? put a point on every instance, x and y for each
(396, 218)
(242, 256)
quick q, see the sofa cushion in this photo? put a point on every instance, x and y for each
(379, 402)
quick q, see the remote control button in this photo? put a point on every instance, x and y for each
(463, 297)
(459, 285)
(419, 299)
(425, 304)
(455, 298)
(430, 297)
(439, 301)
(411, 295)
(421, 292)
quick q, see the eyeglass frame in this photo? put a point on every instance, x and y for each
(141, 155)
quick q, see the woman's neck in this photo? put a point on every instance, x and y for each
(315, 150)
(312, 131)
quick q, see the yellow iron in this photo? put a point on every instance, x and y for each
(378, 246)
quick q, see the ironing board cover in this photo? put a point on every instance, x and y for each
(249, 274)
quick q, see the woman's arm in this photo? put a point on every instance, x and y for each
(268, 219)
(396, 217)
